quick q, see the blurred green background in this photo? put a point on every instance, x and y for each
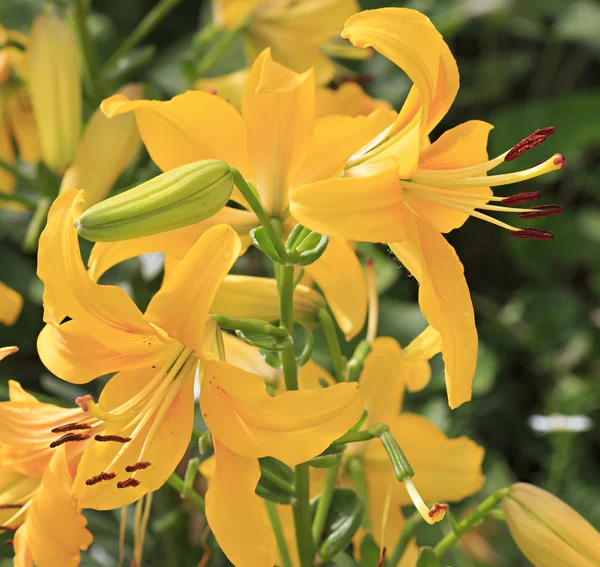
(524, 64)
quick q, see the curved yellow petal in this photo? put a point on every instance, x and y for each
(190, 127)
(309, 378)
(422, 348)
(106, 148)
(23, 126)
(104, 311)
(181, 306)
(445, 301)
(235, 514)
(336, 139)
(55, 540)
(340, 276)
(74, 355)
(11, 304)
(369, 209)
(462, 146)
(229, 87)
(258, 298)
(159, 434)
(292, 427)
(230, 13)
(283, 100)
(410, 40)
(348, 99)
(248, 357)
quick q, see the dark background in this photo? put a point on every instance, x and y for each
(524, 65)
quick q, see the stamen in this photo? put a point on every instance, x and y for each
(139, 466)
(12, 528)
(9, 542)
(382, 556)
(71, 427)
(116, 438)
(10, 506)
(559, 160)
(83, 401)
(532, 234)
(542, 211)
(133, 482)
(69, 437)
(373, 312)
(100, 477)
(431, 516)
(521, 198)
(530, 142)
(437, 508)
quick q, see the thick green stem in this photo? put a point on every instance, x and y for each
(176, 482)
(36, 225)
(325, 502)
(357, 472)
(410, 527)
(90, 66)
(150, 21)
(222, 45)
(286, 309)
(301, 511)
(284, 554)
(333, 343)
(480, 513)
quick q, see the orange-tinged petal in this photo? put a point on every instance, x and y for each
(340, 276)
(462, 146)
(104, 311)
(369, 209)
(445, 301)
(249, 358)
(335, 140)
(175, 243)
(23, 557)
(11, 303)
(285, 101)
(235, 514)
(55, 541)
(160, 438)
(16, 393)
(190, 127)
(348, 99)
(182, 305)
(292, 427)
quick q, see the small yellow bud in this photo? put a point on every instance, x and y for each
(547, 531)
(55, 89)
(107, 147)
(183, 196)
(22, 123)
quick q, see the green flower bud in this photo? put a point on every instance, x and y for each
(180, 197)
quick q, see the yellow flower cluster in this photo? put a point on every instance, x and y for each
(316, 169)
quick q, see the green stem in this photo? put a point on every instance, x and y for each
(247, 326)
(410, 527)
(284, 554)
(30, 182)
(333, 343)
(480, 513)
(255, 204)
(357, 436)
(222, 45)
(357, 472)
(176, 482)
(325, 502)
(150, 21)
(286, 309)
(36, 225)
(279, 482)
(90, 65)
(301, 511)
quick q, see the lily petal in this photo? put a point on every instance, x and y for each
(190, 127)
(348, 99)
(292, 427)
(283, 99)
(54, 541)
(368, 209)
(445, 301)
(11, 304)
(235, 514)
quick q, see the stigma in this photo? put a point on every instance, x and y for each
(431, 515)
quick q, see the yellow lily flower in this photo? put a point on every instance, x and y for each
(401, 190)
(11, 304)
(296, 31)
(295, 149)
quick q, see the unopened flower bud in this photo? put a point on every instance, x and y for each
(55, 89)
(547, 531)
(180, 197)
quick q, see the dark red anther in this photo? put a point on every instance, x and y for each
(382, 556)
(69, 437)
(127, 483)
(139, 466)
(116, 438)
(521, 198)
(542, 211)
(530, 142)
(10, 506)
(9, 542)
(100, 477)
(532, 234)
(12, 528)
(436, 508)
(83, 401)
(71, 427)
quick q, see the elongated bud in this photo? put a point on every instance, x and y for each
(107, 147)
(180, 197)
(547, 531)
(55, 89)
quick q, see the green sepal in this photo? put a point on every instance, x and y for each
(402, 468)
(264, 341)
(427, 558)
(314, 253)
(263, 242)
(343, 520)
